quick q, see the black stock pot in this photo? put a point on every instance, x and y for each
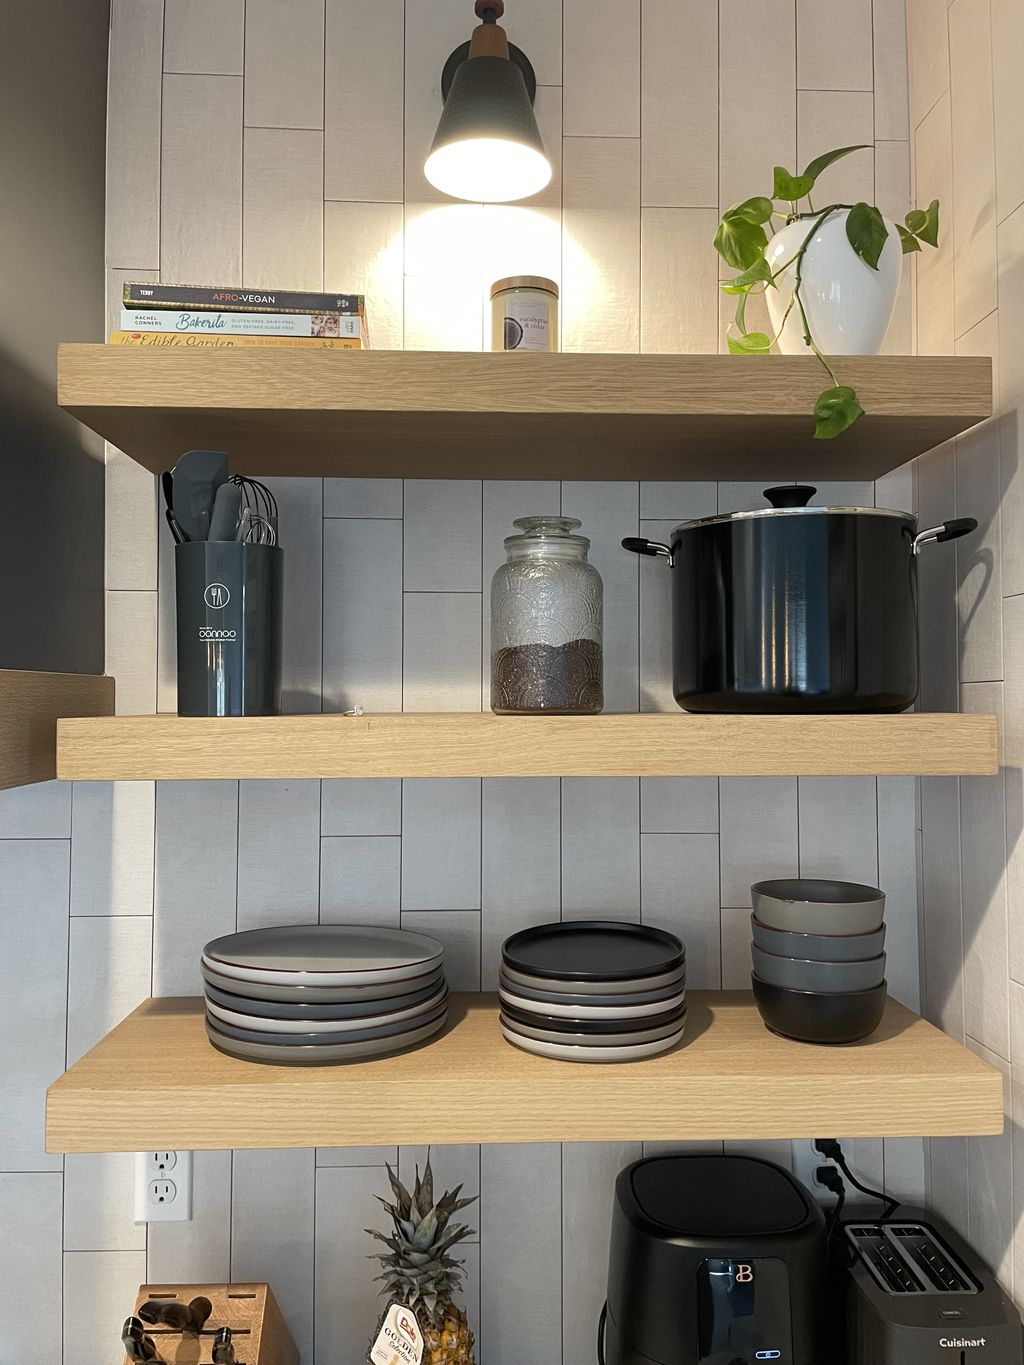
(793, 608)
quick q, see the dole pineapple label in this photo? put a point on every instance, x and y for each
(399, 1341)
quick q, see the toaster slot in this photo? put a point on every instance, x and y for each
(883, 1260)
(933, 1259)
(909, 1258)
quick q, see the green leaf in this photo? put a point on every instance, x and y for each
(907, 240)
(756, 210)
(750, 343)
(835, 411)
(791, 187)
(759, 273)
(924, 223)
(739, 242)
(821, 163)
(866, 232)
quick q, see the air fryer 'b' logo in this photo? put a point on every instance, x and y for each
(216, 595)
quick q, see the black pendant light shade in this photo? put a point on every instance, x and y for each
(487, 146)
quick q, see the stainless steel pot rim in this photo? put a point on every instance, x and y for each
(753, 512)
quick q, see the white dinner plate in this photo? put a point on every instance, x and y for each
(555, 1011)
(637, 1035)
(320, 1054)
(569, 1053)
(640, 985)
(382, 992)
(261, 1024)
(323, 954)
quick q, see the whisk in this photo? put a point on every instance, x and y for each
(257, 522)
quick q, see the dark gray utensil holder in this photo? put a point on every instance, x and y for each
(230, 628)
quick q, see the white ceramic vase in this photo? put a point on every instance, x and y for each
(849, 306)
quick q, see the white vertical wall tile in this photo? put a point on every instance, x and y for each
(347, 1302)
(282, 207)
(601, 37)
(131, 650)
(201, 179)
(381, 498)
(601, 244)
(364, 102)
(361, 880)
(1009, 396)
(278, 853)
(99, 1213)
(892, 109)
(904, 1163)
(442, 651)
(33, 983)
(897, 876)
(757, 122)
(759, 833)
(928, 42)
(533, 1275)
(459, 931)
(1008, 104)
(990, 1212)
(363, 252)
(31, 1267)
(942, 932)
(133, 134)
(974, 165)
(196, 870)
(357, 1156)
(679, 805)
(284, 64)
(736, 960)
(39, 811)
(948, 1180)
(679, 893)
(435, 559)
(892, 195)
(441, 844)
(679, 113)
(600, 847)
(301, 528)
(361, 806)
(516, 892)
(197, 1251)
(834, 48)
(679, 281)
(131, 520)
(838, 828)
(204, 36)
(933, 174)
(112, 851)
(838, 118)
(109, 974)
(362, 615)
(100, 1288)
(272, 1231)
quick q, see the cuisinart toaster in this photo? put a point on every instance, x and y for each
(917, 1295)
(716, 1260)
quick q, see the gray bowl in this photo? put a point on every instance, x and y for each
(832, 978)
(818, 947)
(807, 905)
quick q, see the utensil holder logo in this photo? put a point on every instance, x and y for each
(216, 596)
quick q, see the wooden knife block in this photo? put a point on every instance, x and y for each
(260, 1334)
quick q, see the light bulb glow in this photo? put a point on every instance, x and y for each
(489, 170)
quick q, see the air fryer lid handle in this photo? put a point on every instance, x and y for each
(790, 495)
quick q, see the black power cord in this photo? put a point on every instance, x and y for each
(832, 1180)
(831, 1150)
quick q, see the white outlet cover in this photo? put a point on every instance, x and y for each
(154, 1178)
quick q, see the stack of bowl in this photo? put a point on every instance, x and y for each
(819, 964)
(310, 994)
(593, 991)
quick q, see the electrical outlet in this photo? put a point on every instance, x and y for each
(159, 1196)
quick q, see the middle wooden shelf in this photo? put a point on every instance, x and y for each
(729, 1078)
(470, 744)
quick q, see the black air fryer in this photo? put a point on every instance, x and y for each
(716, 1260)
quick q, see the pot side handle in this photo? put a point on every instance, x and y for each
(949, 530)
(639, 546)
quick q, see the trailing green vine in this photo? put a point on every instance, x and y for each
(742, 241)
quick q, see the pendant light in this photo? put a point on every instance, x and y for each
(488, 147)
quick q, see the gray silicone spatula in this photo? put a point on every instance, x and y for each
(227, 506)
(197, 476)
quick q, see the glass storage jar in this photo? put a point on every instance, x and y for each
(546, 621)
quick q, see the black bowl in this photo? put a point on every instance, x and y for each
(813, 1018)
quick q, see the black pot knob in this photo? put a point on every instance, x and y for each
(790, 495)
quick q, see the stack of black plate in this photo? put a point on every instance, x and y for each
(593, 991)
(308, 994)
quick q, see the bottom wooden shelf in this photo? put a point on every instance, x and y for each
(156, 1081)
(30, 705)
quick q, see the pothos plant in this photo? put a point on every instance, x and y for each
(742, 240)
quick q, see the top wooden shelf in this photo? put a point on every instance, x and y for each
(30, 705)
(421, 414)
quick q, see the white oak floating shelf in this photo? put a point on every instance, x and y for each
(460, 415)
(730, 1078)
(30, 704)
(470, 744)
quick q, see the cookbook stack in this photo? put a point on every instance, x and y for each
(310, 994)
(593, 991)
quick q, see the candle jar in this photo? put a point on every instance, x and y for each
(524, 314)
(546, 623)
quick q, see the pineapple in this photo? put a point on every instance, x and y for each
(419, 1272)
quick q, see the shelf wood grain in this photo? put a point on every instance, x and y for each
(470, 744)
(456, 415)
(30, 704)
(730, 1078)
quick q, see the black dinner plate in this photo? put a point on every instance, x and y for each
(593, 950)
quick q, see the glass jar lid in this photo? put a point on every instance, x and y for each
(547, 535)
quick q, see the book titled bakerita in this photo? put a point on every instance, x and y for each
(238, 300)
(240, 324)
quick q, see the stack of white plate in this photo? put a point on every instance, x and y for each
(310, 994)
(593, 991)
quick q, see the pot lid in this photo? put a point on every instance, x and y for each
(791, 499)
